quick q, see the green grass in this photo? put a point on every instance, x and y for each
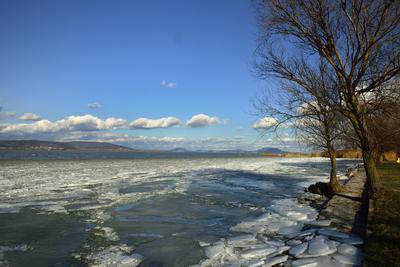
(383, 244)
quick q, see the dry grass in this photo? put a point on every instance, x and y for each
(383, 244)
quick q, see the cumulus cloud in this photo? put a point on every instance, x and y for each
(143, 123)
(85, 123)
(94, 105)
(166, 84)
(202, 120)
(29, 116)
(265, 123)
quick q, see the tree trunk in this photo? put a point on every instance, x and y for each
(369, 159)
(369, 151)
(333, 180)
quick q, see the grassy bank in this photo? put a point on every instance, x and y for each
(383, 244)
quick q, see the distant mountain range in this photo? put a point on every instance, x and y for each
(269, 150)
(61, 146)
(37, 145)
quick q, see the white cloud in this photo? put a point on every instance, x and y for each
(143, 123)
(202, 120)
(166, 84)
(29, 116)
(265, 123)
(85, 123)
(94, 105)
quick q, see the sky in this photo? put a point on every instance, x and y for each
(146, 74)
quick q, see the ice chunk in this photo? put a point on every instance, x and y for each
(107, 233)
(275, 260)
(348, 249)
(248, 227)
(324, 261)
(332, 233)
(305, 263)
(302, 234)
(255, 263)
(215, 250)
(293, 210)
(319, 246)
(276, 243)
(353, 240)
(258, 252)
(204, 244)
(289, 230)
(299, 249)
(115, 256)
(349, 259)
(241, 240)
(293, 242)
(319, 223)
(282, 249)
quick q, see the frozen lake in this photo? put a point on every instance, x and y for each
(124, 211)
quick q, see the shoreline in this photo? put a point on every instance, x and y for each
(293, 232)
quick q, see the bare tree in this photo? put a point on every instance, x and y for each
(384, 124)
(305, 103)
(358, 39)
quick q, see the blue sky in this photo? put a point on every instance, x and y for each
(68, 66)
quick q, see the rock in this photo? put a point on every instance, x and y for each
(321, 188)
(310, 196)
(299, 249)
(275, 260)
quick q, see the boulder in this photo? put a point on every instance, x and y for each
(321, 188)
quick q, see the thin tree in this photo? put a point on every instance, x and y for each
(304, 103)
(360, 42)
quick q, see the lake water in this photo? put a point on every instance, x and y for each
(99, 212)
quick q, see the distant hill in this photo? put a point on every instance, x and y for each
(179, 150)
(60, 146)
(271, 150)
(38, 145)
(268, 150)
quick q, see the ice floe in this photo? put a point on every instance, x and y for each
(93, 188)
(5, 249)
(299, 249)
(114, 256)
(277, 237)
